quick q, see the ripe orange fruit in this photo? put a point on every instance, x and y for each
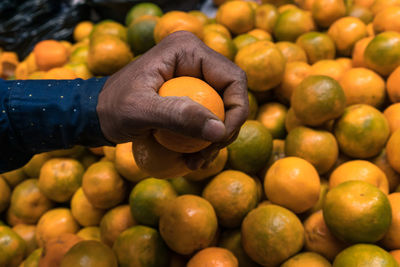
(365, 255)
(5, 194)
(184, 186)
(357, 212)
(392, 114)
(215, 167)
(362, 131)
(109, 27)
(292, 52)
(393, 88)
(141, 246)
(383, 53)
(213, 256)
(220, 43)
(328, 67)
(318, 46)
(149, 198)
(396, 255)
(141, 34)
(81, 70)
(260, 34)
(318, 99)
(103, 186)
(82, 30)
(283, 180)
(392, 176)
(89, 253)
(188, 223)
(265, 17)
(33, 259)
(60, 178)
(140, 10)
(50, 54)
(392, 151)
(326, 12)
(318, 147)
(90, 233)
(237, 16)
(363, 86)
(359, 170)
(292, 23)
(391, 240)
(83, 211)
(294, 74)
(114, 222)
(267, 244)
(257, 57)
(292, 121)
(60, 73)
(388, 19)
(362, 13)
(174, 21)
(273, 115)
(244, 39)
(346, 63)
(358, 52)
(12, 247)
(27, 233)
(319, 239)
(203, 18)
(232, 194)
(307, 259)
(54, 223)
(215, 27)
(125, 163)
(198, 91)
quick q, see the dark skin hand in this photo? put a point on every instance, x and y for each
(129, 106)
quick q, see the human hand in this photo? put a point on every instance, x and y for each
(129, 105)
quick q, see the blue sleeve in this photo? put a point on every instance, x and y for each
(44, 115)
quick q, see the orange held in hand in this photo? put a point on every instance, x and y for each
(200, 92)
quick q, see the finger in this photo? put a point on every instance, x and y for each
(202, 158)
(184, 116)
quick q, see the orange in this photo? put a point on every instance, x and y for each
(14, 177)
(393, 88)
(244, 39)
(292, 121)
(263, 63)
(54, 223)
(156, 160)
(345, 62)
(391, 240)
(81, 70)
(149, 198)
(108, 54)
(103, 186)
(215, 167)
(278, 152)
(292, 23)
(10, 66)
(292, 52)
(98, 151)
(388, 19)
(200, 16)
(82, 30)
(55, 249)
(60, 178)
(217, 28)
(325, 12)
(12, 247)
(379, 5)
(392, 115)
(364, 3)
(365, 255)
(396, 255)
(328, 67)
(114, 222)
(252, 148)
(83, 211)
(32, 168)
(140, 10)
(232, 194)
(220, 43)
(318, 46)
(140, 246)
(33, 259)
(109, 152)
(318, 147)
(5, 194)
(370, 30)
(319, 239)
(89, 253)
(345, 32)
(27, 233)
(184, 186)
(125, 163)
(198, 91)
(188, 223)
(50, 54)
(273, 115)
(90, 233)
(392, 149)
(358, 52)
(383, 53)
(307, 259)
(79, 54)
(108, 27)
(28, 203)
(363, 86)
(362, 131)
(141, 34)
(267, 244)
(174, 21)
(237, 16)
(357, 212)
(294, 74)
(285, 177)
(318, 99)
(213, 256)
(392, 176)
(61, 73)
(285, 7)
(37, 75)
(265, 17)
(232, 241)
(359, 170)
(261, 34)
(362, 13)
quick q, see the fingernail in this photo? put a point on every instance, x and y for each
(213, 130)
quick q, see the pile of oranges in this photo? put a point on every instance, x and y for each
(313, 178)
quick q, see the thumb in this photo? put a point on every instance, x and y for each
(185, 116)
